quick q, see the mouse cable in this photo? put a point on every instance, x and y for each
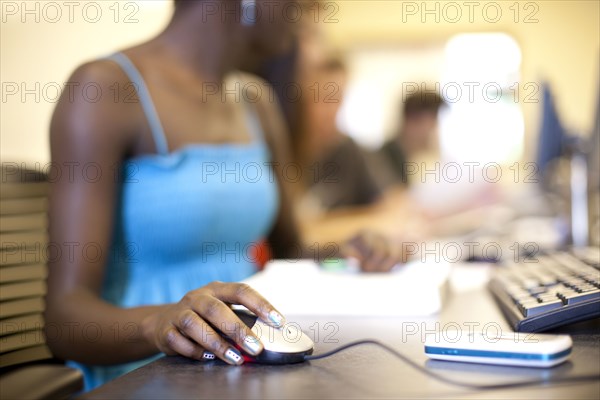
(442, 378)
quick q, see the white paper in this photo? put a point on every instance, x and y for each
(300, 287)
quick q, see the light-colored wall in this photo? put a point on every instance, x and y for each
(562, 47)
(45, 53)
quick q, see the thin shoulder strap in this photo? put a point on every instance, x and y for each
(254, 124)
(252, 118)
(158, 133)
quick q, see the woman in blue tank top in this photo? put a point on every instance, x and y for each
(174, 181)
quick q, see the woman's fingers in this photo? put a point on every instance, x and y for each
(243, 294)
(202, 325)
(220, 316)
(191, 325)
(173, 342)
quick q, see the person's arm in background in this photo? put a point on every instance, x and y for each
(95, 137)
(353, 202)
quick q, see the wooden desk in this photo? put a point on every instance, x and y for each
(367, 371)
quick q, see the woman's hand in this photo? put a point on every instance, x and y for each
(375, 252)
(188, 327)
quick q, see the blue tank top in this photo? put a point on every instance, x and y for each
(184, 218)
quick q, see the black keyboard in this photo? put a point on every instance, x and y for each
(548, 291)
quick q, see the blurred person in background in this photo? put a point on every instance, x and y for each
(444, 207)
(337, 194)
(155, 211)
(415, 141)
(309, 84)
(336, 174)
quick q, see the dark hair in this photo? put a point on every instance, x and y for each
(179, 3)
(422, 102)
(333, 63)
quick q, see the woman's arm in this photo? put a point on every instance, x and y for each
(90, 137)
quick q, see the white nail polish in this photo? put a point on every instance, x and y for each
(233, 356)
(276, 318)
(252, 345)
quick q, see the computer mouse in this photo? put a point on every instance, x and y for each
(286, 345)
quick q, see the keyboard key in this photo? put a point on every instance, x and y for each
(564, 294)
(574, 281)
(548, 297)
(559, 284)
(515, 290)
(547, 280)
(589, 255)
(529, 283)
(532, 309)
(537, 290)
(521, 298)
(586, 288)
(581, 297)
(569, 261)
(592, 279)
(525, 304)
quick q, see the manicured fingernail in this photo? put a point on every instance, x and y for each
(276, 318)
(252, 345)
(233, 356)
(208, 355)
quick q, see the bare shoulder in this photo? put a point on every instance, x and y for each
(94, 104)
(97, 82)
(99, 70)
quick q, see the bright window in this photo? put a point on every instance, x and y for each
(480, 82)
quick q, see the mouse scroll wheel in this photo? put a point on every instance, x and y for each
(291, 330)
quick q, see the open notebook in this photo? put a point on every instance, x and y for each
(301, 287)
